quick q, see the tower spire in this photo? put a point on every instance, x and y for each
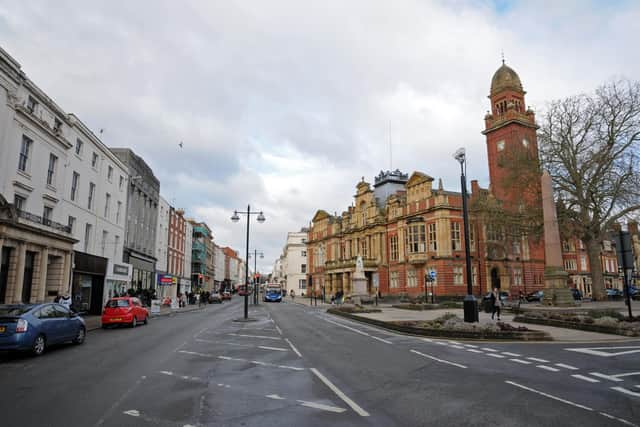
(502, 52)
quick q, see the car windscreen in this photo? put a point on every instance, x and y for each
(115, 303)
(14, 310)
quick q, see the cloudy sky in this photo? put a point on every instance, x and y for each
(286, 104)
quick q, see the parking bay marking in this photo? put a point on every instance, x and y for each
(600, 351)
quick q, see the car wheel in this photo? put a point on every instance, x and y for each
(39, 345)
(82, 333)
(146, 320)
(134, 322)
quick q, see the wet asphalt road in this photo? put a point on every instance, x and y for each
(298, 366)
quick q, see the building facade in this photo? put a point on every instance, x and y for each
(185, 279)
(219, 261)
(143, 192)
(291, 268)
(59, 178)
(163, 280)
(201, 239)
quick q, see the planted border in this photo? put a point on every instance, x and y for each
(578, 326)
(448, 333)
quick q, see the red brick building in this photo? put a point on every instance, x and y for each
(176, 244)
(403, 227)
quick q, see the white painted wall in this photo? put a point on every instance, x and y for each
(162, 235)
(294, 257)
(188, 246)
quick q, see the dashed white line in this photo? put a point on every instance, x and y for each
(568, 402)
(184, 377)
(473, 350)
(439, 360)
(453, 342)
(470, 345)
(523, 362)
(441, 343)
(195, 353)
(548, 368)
(506, 353)
(497, 356)
(321, 406)
(584, 378)
(489, 349)
(381, 340)
(625, 391)
(617, 419)
(427, 339)
(275, 397)
(606, 377)
(292, 347)
(340, 394)
(256, 336)
(132, 412)
(264, 347)
(459, 347)
(562, 365)
(535, 359)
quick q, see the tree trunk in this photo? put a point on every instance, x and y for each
(595, 266)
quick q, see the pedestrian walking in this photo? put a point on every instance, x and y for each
(496, 302)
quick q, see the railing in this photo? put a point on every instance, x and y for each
(44, 221)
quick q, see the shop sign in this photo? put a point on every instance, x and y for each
(167, 280)
(120, 269)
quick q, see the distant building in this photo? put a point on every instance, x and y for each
(163, 280)
(143, 193)
(185, 279)
(201, 239)
(291, 268)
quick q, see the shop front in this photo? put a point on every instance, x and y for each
(142, 272)
(87, 290)
(118, 279)
(167, 286)
(184, 286)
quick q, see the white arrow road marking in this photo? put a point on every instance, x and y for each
(132, 412)
(321, 406)
(595, 351)
(625, 391)
(340, 394)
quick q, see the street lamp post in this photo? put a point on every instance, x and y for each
(256, 253)
(470, 302)
(236, 218)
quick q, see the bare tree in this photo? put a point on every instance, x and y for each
(589, 144)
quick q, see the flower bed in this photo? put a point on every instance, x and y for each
(355, 309)
(421, 306)
(602, 321)
(451, 326)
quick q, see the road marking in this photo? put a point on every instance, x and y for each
(459, 347)
(489, 349)
(548, 368)
(119, 401)
(349, 327)
(264, 347)
(535, 359)
(625, 391)
(275, 396)
(132, 412)
(427, 339)
(237, 359)
(568, 402)
(223, 343)
(453, 342)
(439, 360)
(383, 340)
(184, 377)
(321, 406)
(199, 332)
(497, 356)
(180, 346)
(562, 365)
(278, 329)
(441, 343)
(293, 348)
(595, 351)
(256, 336)
(588, 379)
(506, 353)
(628, 374)
(340, 394)
(618, 419)
(473, 350)
(195, 353)
(606, 377)
(524, 362)
(470, 345)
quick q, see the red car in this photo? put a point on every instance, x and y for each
(124, 311)
(226, 295)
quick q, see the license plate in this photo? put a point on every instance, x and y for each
(116, 319)
(2, 329)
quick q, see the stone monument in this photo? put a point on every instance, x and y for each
(359, 283)
(555, 290)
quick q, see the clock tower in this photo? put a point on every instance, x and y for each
(510, 129)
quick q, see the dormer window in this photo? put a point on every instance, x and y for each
(31, 104)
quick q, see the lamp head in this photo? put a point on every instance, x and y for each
(460, 155)
(235, 217)
(261, 217)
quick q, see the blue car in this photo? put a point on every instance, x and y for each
(34, 327)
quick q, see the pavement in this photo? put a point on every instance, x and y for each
(300, 366)
(94, 322)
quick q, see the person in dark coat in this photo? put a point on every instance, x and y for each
(496, 303)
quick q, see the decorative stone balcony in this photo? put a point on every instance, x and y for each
(350, 264)
(417, 258)
(54, 226)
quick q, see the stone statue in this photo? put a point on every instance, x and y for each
(359, 265)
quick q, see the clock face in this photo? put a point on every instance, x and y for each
(525, 143)
(500, 145)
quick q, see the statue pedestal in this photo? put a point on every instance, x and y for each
(358, 289)
(556, 292)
